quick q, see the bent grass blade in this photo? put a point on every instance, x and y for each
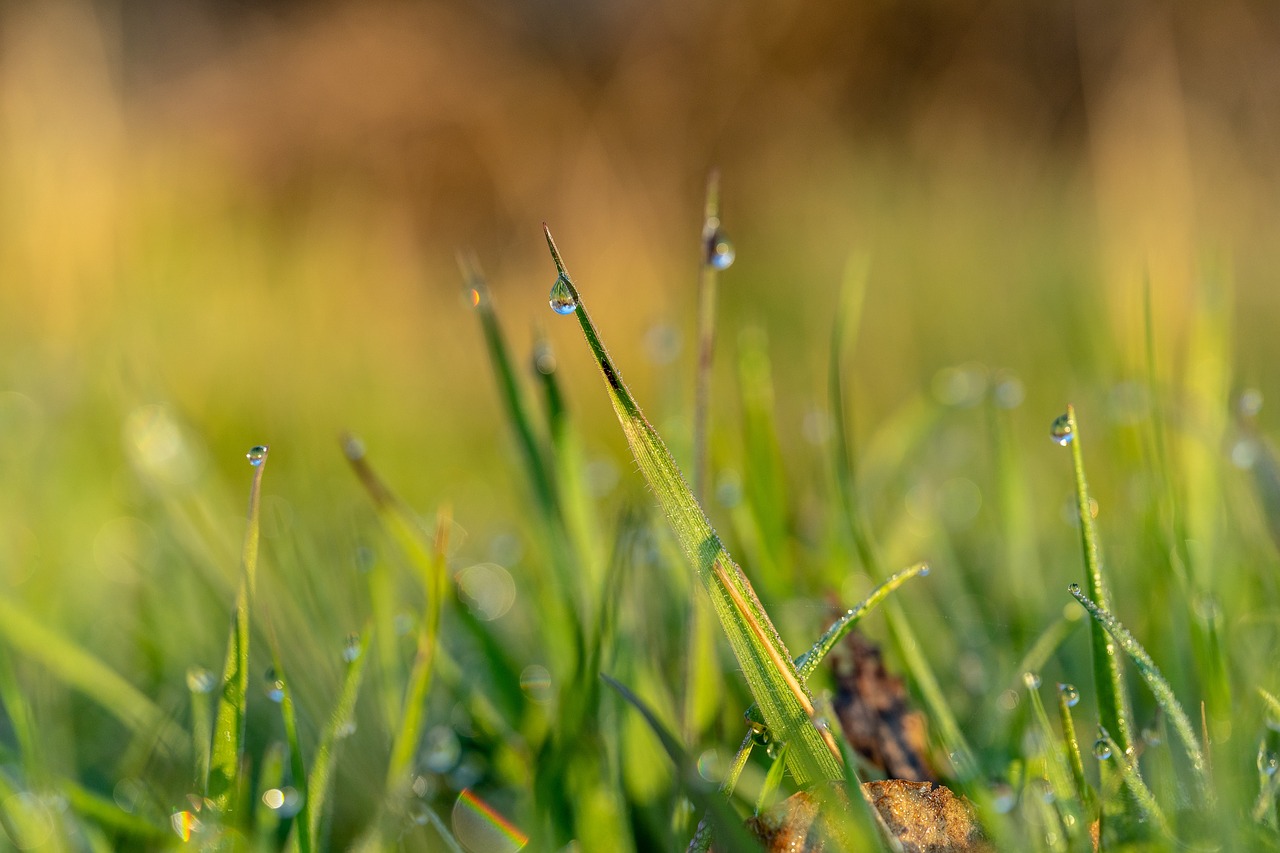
(766, 664)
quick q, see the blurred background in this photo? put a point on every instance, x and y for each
(232, 223)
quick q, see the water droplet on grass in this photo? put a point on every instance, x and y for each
(441, 749)
(274, 686)
(1069, 694)
(1003, 798)
(1031, 680)
(257, 455)
(1061, 431)
(351, 648)
(1074, 588)
(1268, 763)
(200, 680)
(1151, 737)
(1102, 746)
(1250, 403)
(720, 251)
(562, 300)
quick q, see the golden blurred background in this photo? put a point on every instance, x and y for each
(251, 212)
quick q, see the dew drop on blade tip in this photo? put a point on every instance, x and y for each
(257, 455)
(562, 299)
(1101, 749)
(1070, 695)
(720, 251)
(1061, 431)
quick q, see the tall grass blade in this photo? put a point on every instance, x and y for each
(850, 312)
(766, 664)
(1146, 801)
(335, 731)
(229, 722)
(728, 828)
(1112, 695)
(81, 671)
(1156, 682)
(414, 706)
(708, 277)
(297, 766)
(1071, 746)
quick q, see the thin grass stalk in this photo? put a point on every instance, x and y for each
(413, 708)
(229, 722)
(335, 731)
(1156, 682)
(297, 766)
(1071, 746)
(766, 664)
(1112, 695)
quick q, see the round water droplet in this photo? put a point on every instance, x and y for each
(711, 766)
(274, 685)
(1151, 736)
(1268, 763)
(200, 680)
(1250, 403)
(1045, 789)
(1031, 680)
(1070, 694)
(1102, 749)
(285, 802)
(774, 749)
(1061, 430)
(562, 299)
(720, 251)
(345, 729)
(351, 647)
(1003, 798)
(924, 571)
(257, 455)
(417, 812)
(441, 749)
(1074, 589)
(535, 681)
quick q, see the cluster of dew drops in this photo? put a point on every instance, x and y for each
(718, 254)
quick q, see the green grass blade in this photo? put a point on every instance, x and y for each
(413, 708)
(772, 779)
(708, 278)
(1156, 682)
(766, 664)
(229, 722)
(335, 731)
(729, 830)
(809, 662)
(81, 671)
(1067, 697)
(302, 828)
(1112, 696)
(1145, 800)
(106, 813)
(1058, 769)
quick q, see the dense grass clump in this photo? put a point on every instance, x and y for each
(606, 676)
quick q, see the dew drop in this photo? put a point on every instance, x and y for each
(1268, 763)
(924, 571)
(1045, 788)
(257, 455)
(1074, 589)
(417, 812)
(200, 680)
(1151, 737)
(1003, 798)
(441, 749)
(1070, 694)
(1249, 403)
(1102, 749)
(774, 749)
(562, 299)
(535, 681)
(711, 766)
(285, 801)
(274, 686)
(720, 251)
(759, 732)
(1061, 431)
(351, 648)
(1031, 680)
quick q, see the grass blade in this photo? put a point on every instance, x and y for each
(766, 664)
(338, 727)
(302, 828)
(229, 722)
(709, 276)
(414, 706)
(728, 828)
(1113, 698)
(1159, 687)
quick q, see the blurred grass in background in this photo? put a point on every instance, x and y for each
(223, 225)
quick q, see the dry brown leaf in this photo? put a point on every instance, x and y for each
(875, 713)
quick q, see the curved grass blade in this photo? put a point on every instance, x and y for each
(81, 671)
(709, 275)
(765, 661)
(228, 728)
(1113, 697)
(727, 827)
(1142, 795)
(850, 311)
(302, 828)
(338, 727)
(1071, 744)
(1156, 682)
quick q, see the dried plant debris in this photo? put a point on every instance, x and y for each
(875, 714)
(921, 817)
